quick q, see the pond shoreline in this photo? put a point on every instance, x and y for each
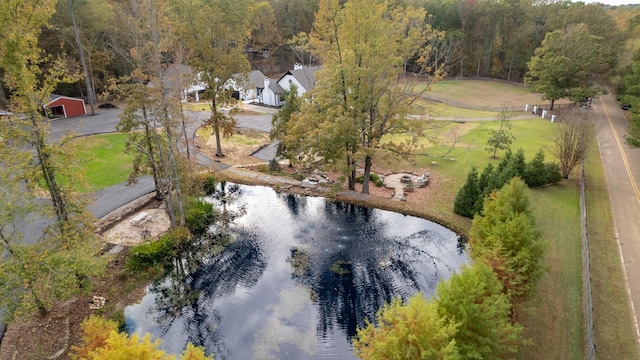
(455, 223)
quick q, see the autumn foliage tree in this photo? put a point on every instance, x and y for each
(361, 94)
(413, 330)
(214, 35)
(468, 318)
(38, 268)
(101, 340)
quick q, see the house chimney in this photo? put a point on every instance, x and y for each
(266, 82)
(297, 66)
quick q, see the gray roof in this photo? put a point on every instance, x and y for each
(256, 77)
(275, 87)
(306, 76)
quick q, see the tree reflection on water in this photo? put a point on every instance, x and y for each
(348, 260)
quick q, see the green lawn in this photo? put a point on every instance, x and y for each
(553, 318)
(436, 109)
(104, 161)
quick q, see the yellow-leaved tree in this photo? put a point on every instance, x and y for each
(102, 341)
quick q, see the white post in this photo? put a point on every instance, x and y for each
(544, 113)
(535, 109)
(526, 107)
(553, 118)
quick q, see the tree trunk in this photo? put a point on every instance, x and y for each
(216, 128)
(85, 72)
(184, 132)
(49, 173)
(510, 67)
(553, 101)
(152, 161)
(367, 173)
(175, 177)
(3, 98)
(351, 179)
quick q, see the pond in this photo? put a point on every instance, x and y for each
(297, 276)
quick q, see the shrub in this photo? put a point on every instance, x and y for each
(153, 253)
(263, 168)
(298, 176)
(198, 215)
(374, 178)
(274, 166)
(209, 185)
(553, 173)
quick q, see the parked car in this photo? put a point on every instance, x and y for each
(625, 106)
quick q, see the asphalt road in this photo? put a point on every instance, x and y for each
(104, 121)
(622, 172)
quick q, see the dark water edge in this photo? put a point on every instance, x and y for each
(296, 279)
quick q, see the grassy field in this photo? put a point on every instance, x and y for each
(436, 109)
(553, 318)
(104, 161)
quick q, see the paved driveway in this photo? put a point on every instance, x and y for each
(622, 171)
(104, 121)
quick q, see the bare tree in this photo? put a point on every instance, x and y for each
(574, 138)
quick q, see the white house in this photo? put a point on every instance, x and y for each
(180, 78)
(304, 77)
(272, 93)
(249, 88)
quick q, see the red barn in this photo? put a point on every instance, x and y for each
(63, 106)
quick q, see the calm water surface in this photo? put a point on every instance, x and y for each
(299, 277)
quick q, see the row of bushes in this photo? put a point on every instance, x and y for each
(470, 199)
(471, 315)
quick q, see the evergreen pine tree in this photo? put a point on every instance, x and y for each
(466, 198)
(536, 174)
(553, 173)
(505, 238)
(485, 185)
